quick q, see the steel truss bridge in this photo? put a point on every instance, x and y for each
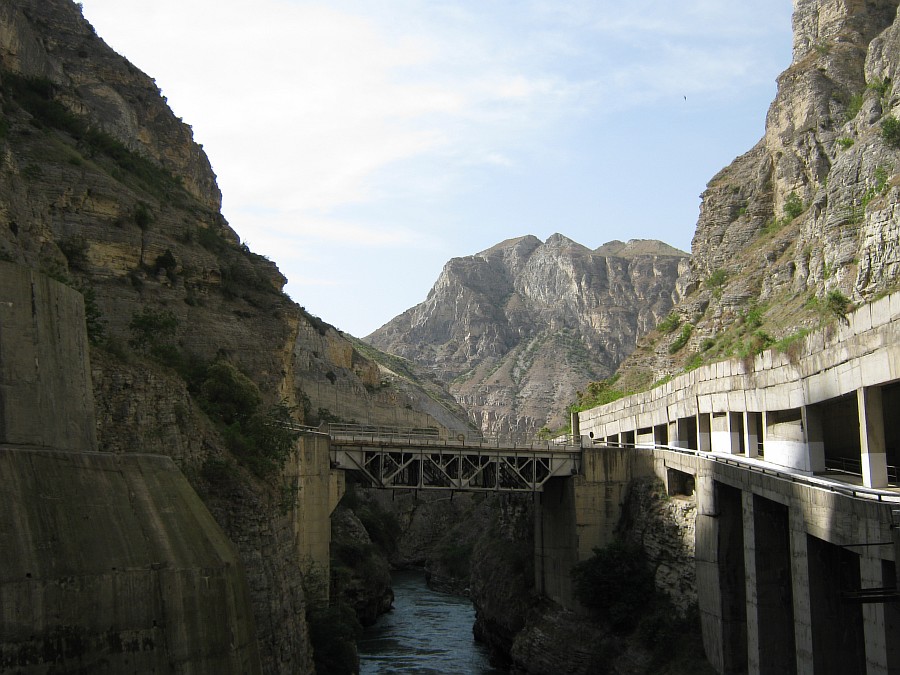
(421, 459)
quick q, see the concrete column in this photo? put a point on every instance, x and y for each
(709, 594)
(777, 647)
(751, 434)
(871, 437)
(672, 432)
(555, 540)
(704, 439)
(815, 438)
(870, 576)
(750, 573)
(803, 640)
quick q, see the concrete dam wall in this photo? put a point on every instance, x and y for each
(110, 563)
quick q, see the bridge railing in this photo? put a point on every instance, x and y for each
(846, 489)
(433, 436)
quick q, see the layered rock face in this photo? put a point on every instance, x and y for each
(518, 328)
(812, 209)
(104, 189)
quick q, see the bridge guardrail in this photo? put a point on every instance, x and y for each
(854, 491)
(431, 437)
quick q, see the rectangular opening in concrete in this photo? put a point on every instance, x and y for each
(840, 434)
(679, 483)
(628, 439)
(774, 590)
(687, 433)
(838, 637)
(732, 578)
(891, 400)
(753, 432)
(661, 434)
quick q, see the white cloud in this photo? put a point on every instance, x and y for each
(353, 123)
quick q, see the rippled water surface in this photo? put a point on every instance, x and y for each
(426, 633)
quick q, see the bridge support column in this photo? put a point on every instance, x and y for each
(871, 437)
(750, 589)
(720, 553)
(871, 572)
(815, 437)
(751, 434)
(312, 491)
(799, 571)
(573, 516)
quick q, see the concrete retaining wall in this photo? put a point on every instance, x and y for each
(45, 387)
(112, 564)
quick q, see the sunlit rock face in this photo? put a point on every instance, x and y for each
(812, 208)
(518, 328)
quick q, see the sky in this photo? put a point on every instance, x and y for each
(361, 144)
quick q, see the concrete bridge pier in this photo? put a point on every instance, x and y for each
(871, 437)
(575, 515)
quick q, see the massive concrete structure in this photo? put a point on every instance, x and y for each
(111, 563)
(792, 466)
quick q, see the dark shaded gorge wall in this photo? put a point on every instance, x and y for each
(111, 563)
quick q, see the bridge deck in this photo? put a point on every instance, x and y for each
(421, 460)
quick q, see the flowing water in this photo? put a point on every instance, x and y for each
(427, 633)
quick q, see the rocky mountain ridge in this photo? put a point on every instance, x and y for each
(519, 327)
(805, 223)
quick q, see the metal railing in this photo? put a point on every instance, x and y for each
(855, 491)
(431, 436)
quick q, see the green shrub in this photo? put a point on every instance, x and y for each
(616, 583)
(882, 87)
(142, 215)
(837, 303)
(333, 632)
(166, 262)
(150, 328)
(753, 319)
(93, 317)
(845, 142)
(854, 106)
(669, 324)
(598, 393)
(682, 339)
(793, 206)
(717, 279)
(228, 394)
(890, 131)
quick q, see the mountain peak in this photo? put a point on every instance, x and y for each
(638, 247)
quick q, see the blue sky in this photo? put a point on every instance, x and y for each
(362, 144)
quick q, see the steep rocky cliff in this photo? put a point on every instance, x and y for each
(194, 346)
(518, 328)
(806, 222)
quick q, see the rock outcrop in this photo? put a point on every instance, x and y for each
(518, 328)
(105, 190)
(811, 212)
(111, 562)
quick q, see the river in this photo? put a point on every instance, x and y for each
(427, 633)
